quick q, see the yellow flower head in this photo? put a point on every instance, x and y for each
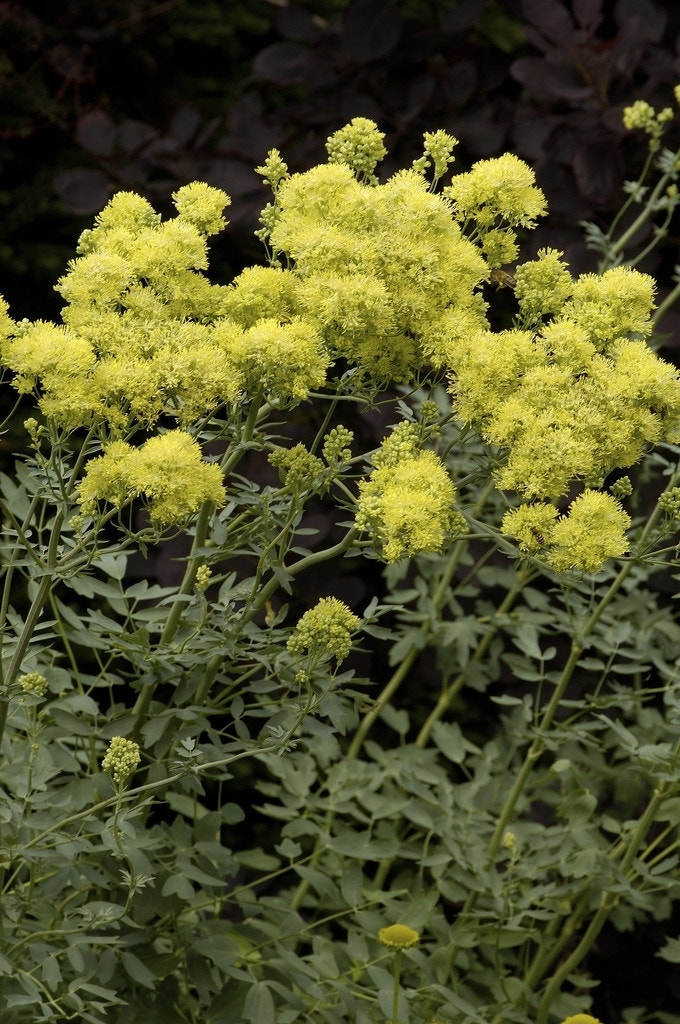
(581, 1018)
(502, 188)
(325, 630)
(167, 470)
(407, 506)
(34, 683)
(121, 759)
(592, 532)
(399, 936)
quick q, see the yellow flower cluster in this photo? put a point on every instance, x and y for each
(33, 683)
(374, 267)
(167, 471)
(406, 505)
(325, 631)
(146, 334)
(359, 145)
(121, 759)
(579, 397)
(593, 530)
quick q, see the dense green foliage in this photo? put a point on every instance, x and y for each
(209, 811)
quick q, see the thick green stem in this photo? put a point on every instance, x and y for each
(172, 623)
(395, 995)
(607, 904)
(451, 691)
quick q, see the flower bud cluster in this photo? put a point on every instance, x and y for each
(359, 145)
(336, 445)
(299, 469)
(406, 505)
(121, 759)
(33, 683)
(324, 631)
(669, 501)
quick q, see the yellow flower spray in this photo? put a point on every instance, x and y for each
(398, 937)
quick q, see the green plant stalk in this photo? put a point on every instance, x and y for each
(141, 708)
(607, 903)
(395, 996)
(451, 691)
(669, 301)
(536, 746)
(652, 151)
(620, 244)
(32, 617)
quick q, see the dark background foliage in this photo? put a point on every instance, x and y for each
(150, 94)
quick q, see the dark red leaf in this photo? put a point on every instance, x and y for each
(588, 14)
(184, 123)
(83, 190)
(96, 133)
(371, 29)
(133, 135)
(551, 18)
(464, 16)
(297, 25)
(545, 79)
(599, 170)
(283, 64)
(646, 19)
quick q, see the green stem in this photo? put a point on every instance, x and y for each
(669, 301)
(607, 903)
(639, 222)
(395, 995)
(451, 691)
(141, 708)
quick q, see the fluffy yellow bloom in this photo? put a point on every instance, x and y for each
(502, 188)
(375, 265)
(285, 360)
(592, 532)
(611, 305)
(407, 506)
(531, 525)
(325, 630)
(203, 206)
(167, 471)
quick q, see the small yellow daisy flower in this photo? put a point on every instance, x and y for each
(400, 936)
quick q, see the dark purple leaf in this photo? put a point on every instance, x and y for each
(370, 30)
(133, 135)
(641, 18)
(83, 190)
(550, 17)
(96, 133)
(463, 17)
(588, 14)
(298, 25)
(184, 123)
(459, 82)
(546, 79)
(531, 133)
(290, 64)
(481, 131)
(236, 177)
(419, 95)
(249, 134)
(599, 170)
